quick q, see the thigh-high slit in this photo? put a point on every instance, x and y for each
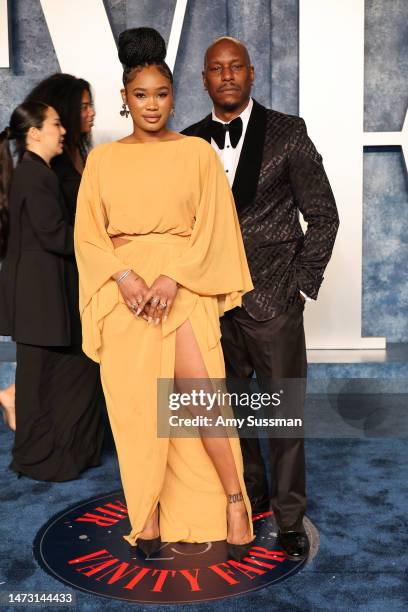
(176, 473)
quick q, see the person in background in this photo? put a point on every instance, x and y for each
(7, 396)
(72, 98)
(59, 429)
(8, 405)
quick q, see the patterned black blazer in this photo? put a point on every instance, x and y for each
(279, 174)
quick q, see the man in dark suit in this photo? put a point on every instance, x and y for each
(275, 172)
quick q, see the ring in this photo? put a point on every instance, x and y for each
(133, 306)
(155, 301)
(162, 305)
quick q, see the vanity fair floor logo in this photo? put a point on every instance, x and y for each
(83, 547)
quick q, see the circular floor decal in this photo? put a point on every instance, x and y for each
(83, 547)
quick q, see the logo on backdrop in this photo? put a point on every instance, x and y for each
(83, 547)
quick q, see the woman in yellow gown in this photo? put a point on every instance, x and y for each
(160, 258)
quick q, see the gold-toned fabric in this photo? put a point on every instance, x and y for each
(173, 203)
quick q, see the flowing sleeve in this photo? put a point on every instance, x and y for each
(215, 263)
(96, 260)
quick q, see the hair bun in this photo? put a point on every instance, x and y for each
(6, 134)
(139, 46)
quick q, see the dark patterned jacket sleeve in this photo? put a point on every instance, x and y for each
(315, 200)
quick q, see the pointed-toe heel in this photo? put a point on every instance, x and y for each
(148, 547)
(238, 551)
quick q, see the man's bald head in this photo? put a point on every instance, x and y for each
(228, 40)
(228, 76)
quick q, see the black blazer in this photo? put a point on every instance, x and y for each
(69, 180)
(279, 173)
(38, 278)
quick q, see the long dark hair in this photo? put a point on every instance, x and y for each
(140, 47)
(24, 117)
(64, 93)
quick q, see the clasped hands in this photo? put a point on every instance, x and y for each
(153, 303)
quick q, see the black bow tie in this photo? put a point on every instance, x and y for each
(218, 131)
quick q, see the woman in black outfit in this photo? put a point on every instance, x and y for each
(59, 428)
(72, 98)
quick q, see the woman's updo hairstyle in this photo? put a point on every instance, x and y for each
(141, 47)
(27, 115)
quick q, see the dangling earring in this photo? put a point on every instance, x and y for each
(173, 113)
(125, 111)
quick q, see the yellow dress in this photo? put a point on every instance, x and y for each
(173, 202)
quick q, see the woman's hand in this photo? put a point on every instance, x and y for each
(161, 296)
(134, 290)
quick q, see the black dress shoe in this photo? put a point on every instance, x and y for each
(148, 547)
(295, 544)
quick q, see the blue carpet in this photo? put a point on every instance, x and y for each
(357, 491)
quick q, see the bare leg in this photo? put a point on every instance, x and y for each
(151, 529)
(7, 401)
(189, 364)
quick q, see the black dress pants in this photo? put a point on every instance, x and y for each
(273, 349)
(59, 418)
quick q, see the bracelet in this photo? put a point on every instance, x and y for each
(123, 276)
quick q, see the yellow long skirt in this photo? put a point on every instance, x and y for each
(175, 472)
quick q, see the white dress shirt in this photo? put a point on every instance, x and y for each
(228, 155)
